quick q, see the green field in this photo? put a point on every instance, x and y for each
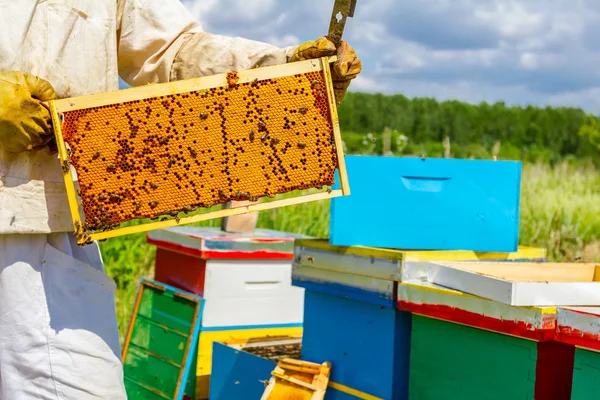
(559, 211)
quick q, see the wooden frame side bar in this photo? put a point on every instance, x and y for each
(187, 85)
(339, 144)
(66, 167)
(214, 215)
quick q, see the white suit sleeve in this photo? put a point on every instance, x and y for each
(160, 41)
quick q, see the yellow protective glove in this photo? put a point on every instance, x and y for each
(346, 68)
(25, 123)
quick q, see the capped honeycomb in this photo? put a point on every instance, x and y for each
(172, 154)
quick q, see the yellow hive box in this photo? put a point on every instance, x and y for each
(163, 151)
(234, 337)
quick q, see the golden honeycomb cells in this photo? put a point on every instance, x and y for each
(180, 152)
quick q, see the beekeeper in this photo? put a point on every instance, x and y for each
(58, 330)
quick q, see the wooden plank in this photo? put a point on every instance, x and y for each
(368, 345)
(586, 375)
(243, 223)
(528, 272)
(450, 361)
(186, 85)
(546, 290)
(437, 302)
(524, 253)
(446, 204)
(161, 342)
(239, 375)
(215, 215)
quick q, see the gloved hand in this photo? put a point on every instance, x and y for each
(346, 68)
(25, 123)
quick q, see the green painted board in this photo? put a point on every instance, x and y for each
(161, 343)
(136, 391)
(586, 375)
(450, 361)
(164, 342)
(167, 309)
(153, 371)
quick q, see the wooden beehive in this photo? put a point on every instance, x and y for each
(163, 151)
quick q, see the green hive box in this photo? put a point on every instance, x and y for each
(466, 347)
(159, 349)
(580, 327)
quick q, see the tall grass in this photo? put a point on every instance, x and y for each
(559, 211)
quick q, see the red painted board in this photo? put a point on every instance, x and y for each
(554, 371)
(212, 254)
(453, 314)
(180, 270)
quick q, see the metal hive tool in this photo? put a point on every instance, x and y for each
(163, 151)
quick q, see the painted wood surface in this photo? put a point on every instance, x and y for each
(549, 284)
(371, 274)
(424, 298)
(161, 342)
(579, 326)
(450, 361)
(230, 312)
(523, 253)
(586, 375)
(206, 358)
(441, 204)
(212, 243)
(249, 278)
(238, 375)
(366, 344)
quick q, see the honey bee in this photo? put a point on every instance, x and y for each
(103, 197)
(303, 110)
(96, 155)
(153, 204)
(301, 145)
(153, 185)
(203, 116)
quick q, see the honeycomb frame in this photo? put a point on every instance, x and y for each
(68, 116)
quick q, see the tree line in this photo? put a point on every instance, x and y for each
(547, 133)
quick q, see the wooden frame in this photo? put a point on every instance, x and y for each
(523, 284)
(193, 335)
(57, 107)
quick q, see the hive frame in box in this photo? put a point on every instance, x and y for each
(57, 107)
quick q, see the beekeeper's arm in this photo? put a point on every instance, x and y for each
(160, 41)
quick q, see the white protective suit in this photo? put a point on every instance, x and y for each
(58, 331)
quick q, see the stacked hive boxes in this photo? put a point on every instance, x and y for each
(244, 281)
(376, 312)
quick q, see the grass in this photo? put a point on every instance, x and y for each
(559, 211)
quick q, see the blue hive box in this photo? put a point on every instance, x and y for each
(428, 204)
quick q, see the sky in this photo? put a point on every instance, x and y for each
(540, 52)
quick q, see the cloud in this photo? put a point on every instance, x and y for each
(518, 51)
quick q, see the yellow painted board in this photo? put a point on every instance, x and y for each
(524, 252)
